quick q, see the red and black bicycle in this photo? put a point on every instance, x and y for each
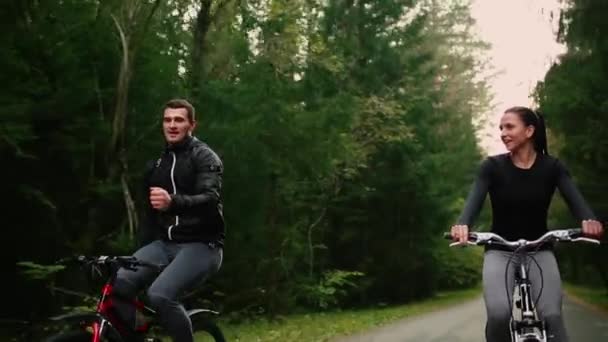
(103, 324)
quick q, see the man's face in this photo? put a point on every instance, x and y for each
(176, 125)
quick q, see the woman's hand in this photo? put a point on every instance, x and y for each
(460, 233)
(592, 229)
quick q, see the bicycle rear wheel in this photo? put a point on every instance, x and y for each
(206, 330)
(203, 329)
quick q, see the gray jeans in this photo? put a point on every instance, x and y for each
(188, 265)
(549, 306)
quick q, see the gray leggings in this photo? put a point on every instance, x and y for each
(549, 304)
(188, 265)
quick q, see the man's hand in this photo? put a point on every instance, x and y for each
(159, 198)
(592, 229)
(460, 233)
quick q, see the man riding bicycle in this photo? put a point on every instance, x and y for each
(183, 226)
(521, 184)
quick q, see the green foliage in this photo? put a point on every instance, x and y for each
(329, 325)
(574, 100)
(460, 268)
(345, 128)
(36, 271)
(594, 296)
(333, 286)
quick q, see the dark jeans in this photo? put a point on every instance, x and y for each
(188, 264)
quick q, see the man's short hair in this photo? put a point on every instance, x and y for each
(181, 103)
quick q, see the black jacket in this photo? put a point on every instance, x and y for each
(192, 173)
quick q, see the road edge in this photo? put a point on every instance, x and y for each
(444, 306)
(582, 302)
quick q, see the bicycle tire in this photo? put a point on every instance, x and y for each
(70, 336)
(205, 329)
(75, 336)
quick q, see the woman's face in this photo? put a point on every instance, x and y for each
(514, 132)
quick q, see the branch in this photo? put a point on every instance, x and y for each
(121, 89)
(123, 40)
(311, 248)
(18, 151)
(70, 292)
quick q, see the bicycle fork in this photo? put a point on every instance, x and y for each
(528, 328)
(525, 295)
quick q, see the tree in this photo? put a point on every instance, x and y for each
(573, 99)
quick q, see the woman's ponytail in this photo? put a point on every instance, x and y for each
(536, 119)
(540, 134)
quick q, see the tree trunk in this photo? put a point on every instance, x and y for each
(203, 21)
(204, 18)
(311, 246)
(117, 153)
(129, 203)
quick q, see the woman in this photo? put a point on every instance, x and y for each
(521, 184)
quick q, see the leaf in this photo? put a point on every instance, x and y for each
(37, 271)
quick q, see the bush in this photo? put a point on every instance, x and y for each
(333, 286)
(459, 268)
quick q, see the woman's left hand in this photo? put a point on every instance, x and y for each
(592, 228)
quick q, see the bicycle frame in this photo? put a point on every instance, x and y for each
(103, 321)
(527, 327)
(93, 321)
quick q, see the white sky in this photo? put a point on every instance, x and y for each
(522, 35)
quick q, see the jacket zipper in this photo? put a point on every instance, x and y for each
(174, 192)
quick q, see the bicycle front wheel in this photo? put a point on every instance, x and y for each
(71, 336)
(76, 336)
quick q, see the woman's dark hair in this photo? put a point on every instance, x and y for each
(534, 118)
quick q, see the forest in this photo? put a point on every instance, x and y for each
(347, 129)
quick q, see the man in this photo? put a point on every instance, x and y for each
(183, 226)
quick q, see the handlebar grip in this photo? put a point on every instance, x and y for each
(80, 258)
(447, 235)
(575, 233)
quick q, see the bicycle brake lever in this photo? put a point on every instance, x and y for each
(462, 244)
(584, 239)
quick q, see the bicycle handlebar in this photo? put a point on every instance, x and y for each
(127, 262)
(560, 235)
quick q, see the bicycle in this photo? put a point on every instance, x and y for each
(525, 324)
(103, 324)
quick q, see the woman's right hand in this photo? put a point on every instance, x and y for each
(460, 233)
(592, 228)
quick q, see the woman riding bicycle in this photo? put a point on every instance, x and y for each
(521, 184)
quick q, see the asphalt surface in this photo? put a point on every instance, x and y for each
(465, 322)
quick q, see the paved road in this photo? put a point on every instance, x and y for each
(465, 323)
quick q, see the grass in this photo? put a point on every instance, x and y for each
(597, 297)
(323, 326)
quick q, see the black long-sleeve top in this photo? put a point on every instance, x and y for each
(191, 172)
(520, 198)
